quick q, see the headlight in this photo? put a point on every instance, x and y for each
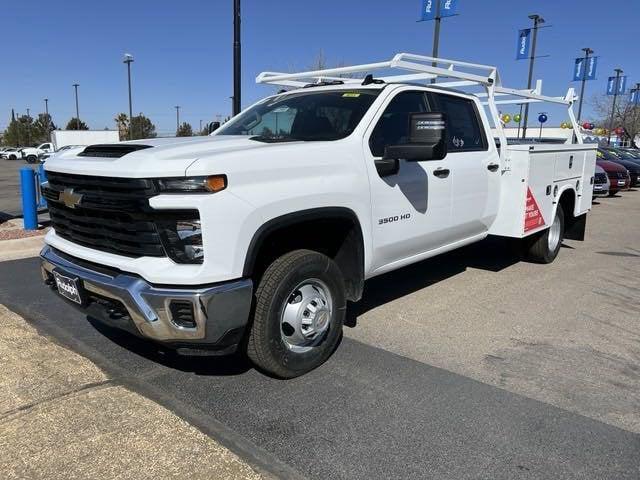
(182, 240)
(210, 184)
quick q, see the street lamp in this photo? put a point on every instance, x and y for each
(46, 113)
(237, 49)
(537, 21)
(177, 107)
(28, 128)
(128, 59)
(619, 73)
(76, 85)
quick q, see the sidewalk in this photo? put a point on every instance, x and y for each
(16, 243)
(61, 417)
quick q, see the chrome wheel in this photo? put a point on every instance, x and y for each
(306, 316)
(554, 233)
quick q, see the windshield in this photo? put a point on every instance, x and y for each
(304, 116)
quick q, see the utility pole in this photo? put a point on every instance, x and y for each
(436, 36)
(128, 59)
(76, 85)
(28, 128)
(615, 98)
(177, 107)
(635, 113)
(537, 20)
(200, 132)
(46, 113)
(237, 57)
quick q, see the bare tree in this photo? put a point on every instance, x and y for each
(626, 114)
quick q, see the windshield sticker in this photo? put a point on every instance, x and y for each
(351, 95)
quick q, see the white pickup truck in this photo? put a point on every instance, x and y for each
(256, 237)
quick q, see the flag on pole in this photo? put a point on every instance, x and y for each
(524, 44)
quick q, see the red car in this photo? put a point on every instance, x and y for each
(618, 175)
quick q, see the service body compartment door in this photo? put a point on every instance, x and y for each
(538, 208)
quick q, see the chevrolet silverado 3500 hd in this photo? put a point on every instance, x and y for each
(257, 236)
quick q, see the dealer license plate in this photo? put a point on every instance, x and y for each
(68, 287)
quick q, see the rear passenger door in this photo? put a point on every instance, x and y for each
(475, 168)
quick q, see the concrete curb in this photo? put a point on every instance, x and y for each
(20, 248)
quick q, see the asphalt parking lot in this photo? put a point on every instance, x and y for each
(469, 365)
(10, 202)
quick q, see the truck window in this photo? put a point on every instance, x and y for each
(303, 116)
(464, 129)
(393, 126)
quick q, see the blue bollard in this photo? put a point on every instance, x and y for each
(29, 207)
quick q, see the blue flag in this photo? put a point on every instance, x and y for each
(524, 44)
(589, 72)
(635, 97)
(592, 67)
(611, 86)
(428, 9)
(622, 85)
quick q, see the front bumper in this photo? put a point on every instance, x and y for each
(219, 312)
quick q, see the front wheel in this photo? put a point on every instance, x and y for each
(544, 246)
(300, 306)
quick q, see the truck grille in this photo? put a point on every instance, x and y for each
(616, 175)
(107, 214)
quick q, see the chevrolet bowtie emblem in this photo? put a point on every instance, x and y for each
(69, 198)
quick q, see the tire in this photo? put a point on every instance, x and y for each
(544, 246)
(32, 159)
(613, 193)
(12, 157)
(298, 287)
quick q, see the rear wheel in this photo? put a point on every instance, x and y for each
(32, 159)
(300, 307)
(544, 246)
(612, 193)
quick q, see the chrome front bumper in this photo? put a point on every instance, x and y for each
(220, 311)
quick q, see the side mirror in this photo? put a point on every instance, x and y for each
(213, 126)
(427, 139)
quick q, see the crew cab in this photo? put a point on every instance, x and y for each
(256, 237)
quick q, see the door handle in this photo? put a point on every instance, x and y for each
(441, 172)
(493, 167)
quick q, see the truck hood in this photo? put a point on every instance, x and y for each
(610, 166)
(164, 157)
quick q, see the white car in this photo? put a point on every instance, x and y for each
(11, 153)
(257, 237)
(31, 154)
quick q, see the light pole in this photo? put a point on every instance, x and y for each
(587, 53)
(177, 107)
(76, 85)
(635, 113)
(128, 59)
(537, 20)
(237, 57)
(46, 113)
(28, 128)
(615, 98)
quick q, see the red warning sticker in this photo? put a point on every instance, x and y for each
(532, 215)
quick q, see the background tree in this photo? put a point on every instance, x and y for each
(122, 123)
(76, 124)
(184, 130)
(42, 128)
(142, 127)
(626, 115)
(20, 132)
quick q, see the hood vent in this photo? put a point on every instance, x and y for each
(114, 150)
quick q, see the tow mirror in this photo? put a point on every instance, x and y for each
(427, 139)
(213, 126)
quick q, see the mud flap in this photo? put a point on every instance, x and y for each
(576, 228)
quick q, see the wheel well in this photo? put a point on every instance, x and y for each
(575, 227)
(334, 232)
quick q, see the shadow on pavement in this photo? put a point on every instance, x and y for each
(492, 254)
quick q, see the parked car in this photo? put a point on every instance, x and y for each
(618, 175)
(12, 153)
(47, 155)
(601, 183)
(627, 161)
(31, 154)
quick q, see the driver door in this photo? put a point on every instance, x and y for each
(411, 209)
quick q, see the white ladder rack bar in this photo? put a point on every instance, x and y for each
(422, 68)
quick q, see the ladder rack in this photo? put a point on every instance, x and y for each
(408, 67)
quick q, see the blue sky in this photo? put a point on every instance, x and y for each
(183, 49)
